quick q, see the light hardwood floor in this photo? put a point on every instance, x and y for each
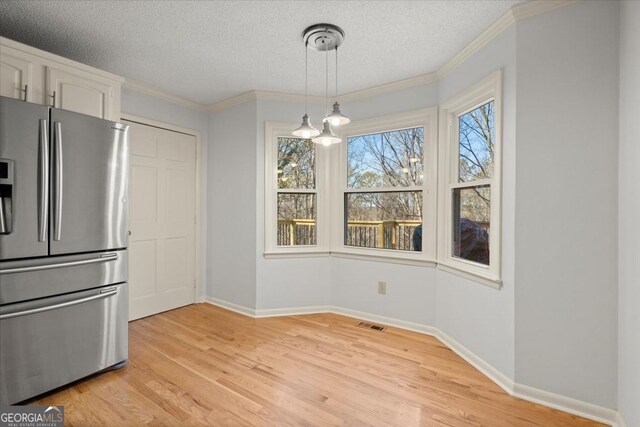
(203, 365)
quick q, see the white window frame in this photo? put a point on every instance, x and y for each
(272, 132)
(424, 117)
(489, 89)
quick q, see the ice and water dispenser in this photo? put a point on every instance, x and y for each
(6, 195)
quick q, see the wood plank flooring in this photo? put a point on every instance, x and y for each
(203, 365)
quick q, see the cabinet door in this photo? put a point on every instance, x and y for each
(15, 73)
(79, 93)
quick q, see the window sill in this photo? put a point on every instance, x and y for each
(483, 280)
(384, 258)
(297, 254)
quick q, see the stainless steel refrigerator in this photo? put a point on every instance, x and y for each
(63, 239)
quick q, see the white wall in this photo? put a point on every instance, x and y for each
(291, 282)
(566, 202)
(149, 107)
(231, 240)
(478, 316)
(553, 325)
(629, 213)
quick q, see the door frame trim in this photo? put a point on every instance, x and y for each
(198, 136)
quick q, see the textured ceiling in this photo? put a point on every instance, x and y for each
(211, 50)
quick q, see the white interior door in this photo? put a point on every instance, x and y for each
(162, 220)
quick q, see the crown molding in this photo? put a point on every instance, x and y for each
(537, 7)
(58, 59)
(234, 100)
(314, 99)
(420, 80)
(516, 13)
(157, 93)
(500, 25)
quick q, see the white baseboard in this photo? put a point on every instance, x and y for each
(531, 394)
(403, 324)
(503, 381)
(247, 311)
(275, 312)
(566, 404)
(620, 421)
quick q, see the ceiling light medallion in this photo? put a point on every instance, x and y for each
(323, 38)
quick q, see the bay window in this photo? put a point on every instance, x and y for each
(470, 142)
(386, 188)
(421, 188)
(294, 221)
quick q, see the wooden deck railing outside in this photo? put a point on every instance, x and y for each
(369, 234)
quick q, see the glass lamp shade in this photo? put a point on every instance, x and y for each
(305, 130)
(336, 118)
(326, 137)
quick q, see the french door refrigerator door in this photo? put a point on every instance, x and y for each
(24, 179)
(89, 183)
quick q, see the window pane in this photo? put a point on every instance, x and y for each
(296, 163)
(296, 219)
(476, 143)
(387, 159)
(387, 220)
(471, 223)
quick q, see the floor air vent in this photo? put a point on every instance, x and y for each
(371, 326)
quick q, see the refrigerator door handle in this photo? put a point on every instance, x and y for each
(57, 133)
(43, 183)
(103, 294)
(101, 258)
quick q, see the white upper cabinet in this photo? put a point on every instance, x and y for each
(56, 81)
(72, 91)
(15, 74)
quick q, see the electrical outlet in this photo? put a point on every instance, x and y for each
(382, 288)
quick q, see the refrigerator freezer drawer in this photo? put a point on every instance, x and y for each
(50, 342)
(44, 277)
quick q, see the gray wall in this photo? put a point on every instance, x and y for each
(478, 316)
(629, 213)
(566, 202)
(291, 282)
(231, 240)
(553, 325)
(149, 107)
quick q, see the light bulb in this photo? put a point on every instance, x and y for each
(336, 118)
(306, 131)
(326, 137)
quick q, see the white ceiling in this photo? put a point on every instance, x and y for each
(211, 50)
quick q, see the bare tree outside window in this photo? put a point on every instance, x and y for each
(472, 203)
(296, 170)
(392, 162)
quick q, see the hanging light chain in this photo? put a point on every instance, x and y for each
(336, 73)
(306, 76)
(326, 91)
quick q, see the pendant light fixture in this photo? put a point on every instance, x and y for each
(324, 38)
(305, 130)
(336, 118)
(326, 137)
